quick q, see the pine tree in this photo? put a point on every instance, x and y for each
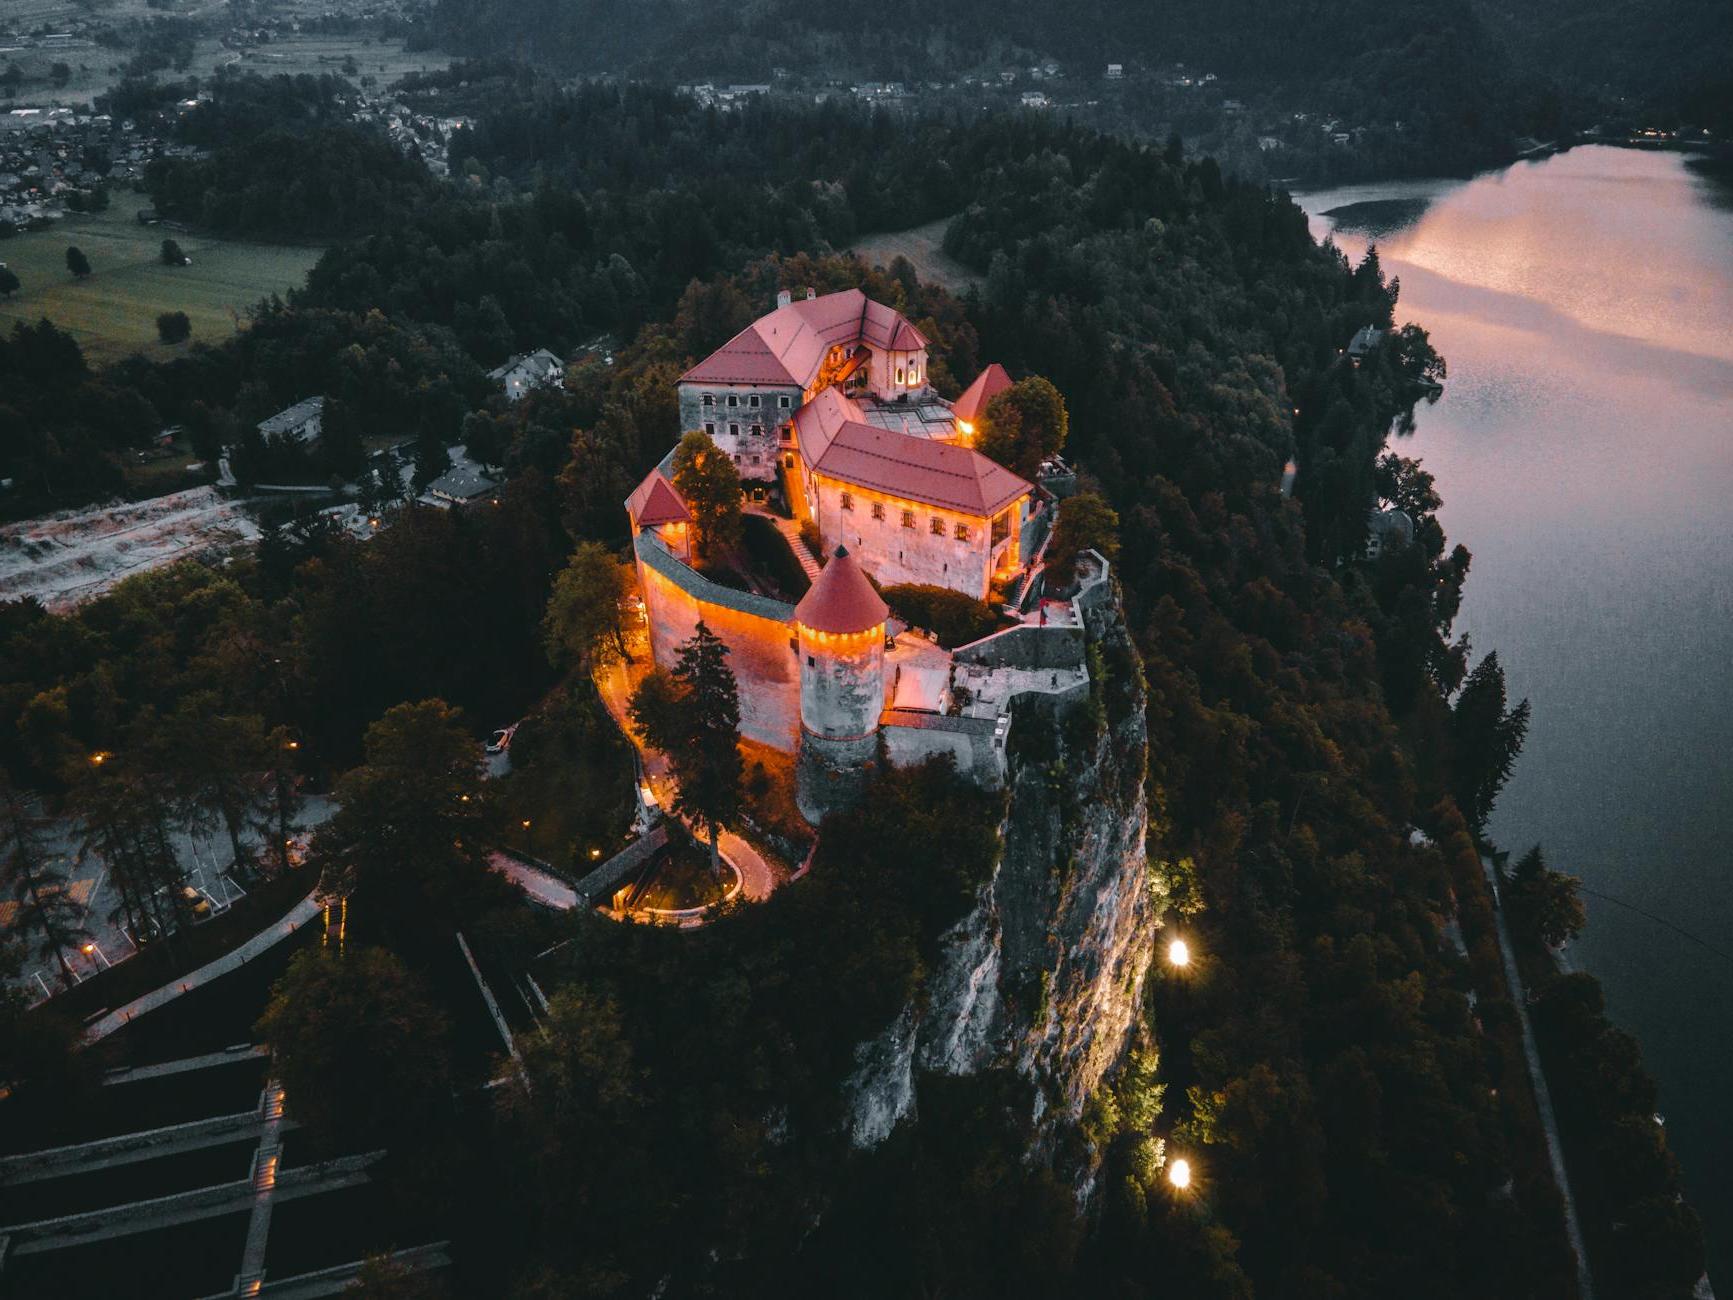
(46, 911)
(282, 802)
(1544, 903)
(216, 760)
(705, 754)
(1486, 737)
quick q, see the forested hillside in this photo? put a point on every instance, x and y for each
(1428, 65)
(1362, 1125)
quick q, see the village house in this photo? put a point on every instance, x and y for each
(1365, 339)
(1386, 530)
(302, 422)
(519, 375)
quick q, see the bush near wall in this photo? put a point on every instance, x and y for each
(955, 618)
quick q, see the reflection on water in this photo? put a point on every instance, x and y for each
(1584, 450)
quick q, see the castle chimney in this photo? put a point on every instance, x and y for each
(783, 298)
(811, 293)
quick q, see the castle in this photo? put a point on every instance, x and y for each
(824, 402)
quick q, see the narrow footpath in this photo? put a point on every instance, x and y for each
(616, 684)
(264, 941)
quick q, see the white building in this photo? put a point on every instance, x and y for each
(538, 369)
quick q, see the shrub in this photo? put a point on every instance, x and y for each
(814, 543)
(174, 327)
(954, 617)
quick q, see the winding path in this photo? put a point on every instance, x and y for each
(758, 877)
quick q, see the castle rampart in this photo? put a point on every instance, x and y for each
(757, 630)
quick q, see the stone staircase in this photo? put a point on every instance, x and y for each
(791, 534)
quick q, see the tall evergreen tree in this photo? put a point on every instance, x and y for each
(46, 913)
(1486, 737)
(216, 760)
(697, 723)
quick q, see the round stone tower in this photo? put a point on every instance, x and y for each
(840, 628)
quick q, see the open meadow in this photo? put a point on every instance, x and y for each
(378, 62)
(113, 313)
(924, 246)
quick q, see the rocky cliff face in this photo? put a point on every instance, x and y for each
(1045, 974)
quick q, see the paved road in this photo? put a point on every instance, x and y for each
(1543, 1098)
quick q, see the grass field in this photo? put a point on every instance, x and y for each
(924, 247)
(379, 62)
(113, 313)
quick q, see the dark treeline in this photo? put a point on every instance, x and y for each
(1428, 71)
(1362, 1128)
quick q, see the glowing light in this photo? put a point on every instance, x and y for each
(1179, 1173)
(293, 744)
(88, 949)
(526, 823)
(594, 854)
(965, 426)
(1179, 953)
(99, 758)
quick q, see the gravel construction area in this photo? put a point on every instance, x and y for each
(69, 557)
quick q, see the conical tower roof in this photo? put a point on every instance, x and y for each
(842, 600)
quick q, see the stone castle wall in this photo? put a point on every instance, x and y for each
(758, 632)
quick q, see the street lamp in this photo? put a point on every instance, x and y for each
(1179, 953)
(1179, 1173)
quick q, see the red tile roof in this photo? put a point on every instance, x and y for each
(836, 442)
(788, 346)
(842, 600)
(654, 501)
(988, 384)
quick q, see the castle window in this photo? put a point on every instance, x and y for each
(937, 526)
(783, 401)
(710, 428)
(908, 519)
(962, 532)
(878, 510)
(709, 399)
(753, 400)
(734, 430)
(789, 460)
(811, 662)
(848, 501)
(734, 399)
(899, 374)
(757, 429)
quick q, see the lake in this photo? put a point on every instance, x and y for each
(1584, 451)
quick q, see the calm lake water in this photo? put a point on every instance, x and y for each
(1584, 450)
